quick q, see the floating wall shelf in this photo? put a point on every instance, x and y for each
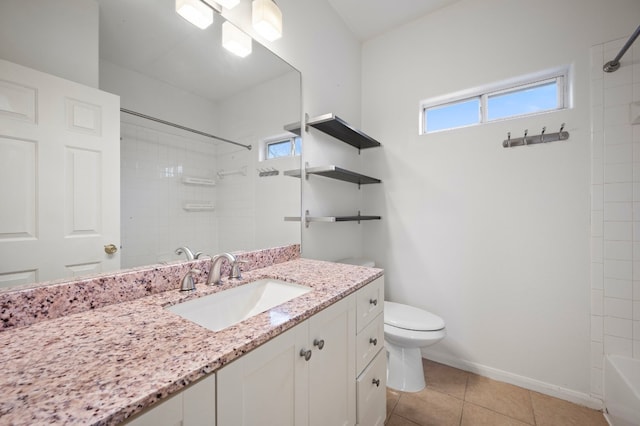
(192, 180)
(335, 172)
(294, 128)
(198, 206)
(308, 219)
(340, 129)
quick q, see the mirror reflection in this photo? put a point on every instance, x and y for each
(180, 188)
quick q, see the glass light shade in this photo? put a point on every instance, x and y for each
(228, 4)
(266, 18)
(235, 41)
(196, 12)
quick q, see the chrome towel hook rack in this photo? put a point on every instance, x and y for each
(543, 137)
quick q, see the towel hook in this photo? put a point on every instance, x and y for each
(524, 139)
(544, 129)
(509, 139)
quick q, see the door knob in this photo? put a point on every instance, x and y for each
(110, 249)
(306, 354)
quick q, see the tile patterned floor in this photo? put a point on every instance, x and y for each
(457, 397)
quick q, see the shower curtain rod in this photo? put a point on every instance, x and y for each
(612, 66)
(178, 126)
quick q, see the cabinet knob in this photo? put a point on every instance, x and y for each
(306, 354)
(373, 302)
(376, 382)
(318, 343)
(373, 341)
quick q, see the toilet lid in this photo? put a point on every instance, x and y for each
(411, 318)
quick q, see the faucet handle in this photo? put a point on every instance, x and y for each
(236, 273)
(188, 282)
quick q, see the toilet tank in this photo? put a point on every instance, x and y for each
(358, 261)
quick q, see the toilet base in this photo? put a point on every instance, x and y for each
(404, 368)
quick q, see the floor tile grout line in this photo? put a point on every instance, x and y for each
(533, 410)
(498, 412)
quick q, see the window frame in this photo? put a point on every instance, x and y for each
(558, 75)
(278, 140)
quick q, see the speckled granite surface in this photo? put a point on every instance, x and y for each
(101, 366)
(32, 304)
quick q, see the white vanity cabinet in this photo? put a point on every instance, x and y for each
(194, 406)
(301, 377)
(327, 370)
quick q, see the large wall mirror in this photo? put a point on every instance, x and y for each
(180, 188)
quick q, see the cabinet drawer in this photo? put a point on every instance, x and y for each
(369, 341)
(372, 393)
(369, 302)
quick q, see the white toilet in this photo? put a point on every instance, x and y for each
(406, 330)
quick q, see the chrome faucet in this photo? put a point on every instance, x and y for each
(214, 272)
(187, 252)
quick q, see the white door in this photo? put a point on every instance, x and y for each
(59, 177)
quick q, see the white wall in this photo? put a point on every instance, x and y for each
(57, 37)
(318, 43)
(615, 205)
(494, 240)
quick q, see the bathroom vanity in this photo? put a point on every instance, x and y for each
(316, 359)
(327, 370)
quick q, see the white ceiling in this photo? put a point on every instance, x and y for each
(149, 37)
(369, 18)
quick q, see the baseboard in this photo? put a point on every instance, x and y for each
(515, 379)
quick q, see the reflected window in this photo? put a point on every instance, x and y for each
(288, 147)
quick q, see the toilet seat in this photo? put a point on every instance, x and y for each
(411, 318)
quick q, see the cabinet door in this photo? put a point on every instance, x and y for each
(262, 387)
(372, 393)
(199, 403)
(167, 413)
(332, 368)
(193, 406)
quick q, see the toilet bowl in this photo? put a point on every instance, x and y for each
(407, 329)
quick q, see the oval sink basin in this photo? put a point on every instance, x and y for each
(223, 309)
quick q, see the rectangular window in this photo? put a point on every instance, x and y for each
(453, 115)
(516, 98)
(529, 99)
(283, 148)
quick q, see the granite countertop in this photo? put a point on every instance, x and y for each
(102, 366)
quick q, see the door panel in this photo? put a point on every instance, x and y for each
(59, 177)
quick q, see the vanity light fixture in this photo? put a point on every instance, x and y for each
(197, 12)
(266, 18)
(235, 40)
(228, 4)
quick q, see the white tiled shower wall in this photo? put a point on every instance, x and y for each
(154, 221)
(615, 209)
